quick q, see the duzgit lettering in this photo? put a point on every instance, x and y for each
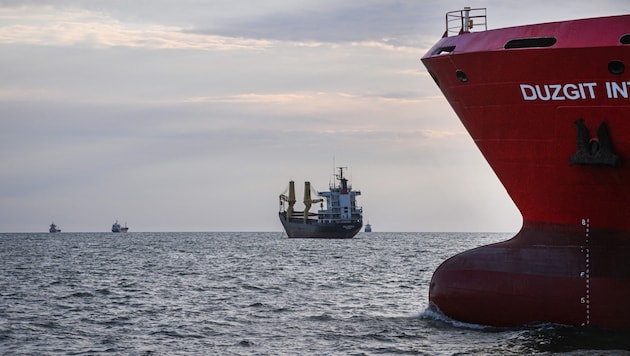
(574, 91)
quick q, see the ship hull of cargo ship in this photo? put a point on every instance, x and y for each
(548, 106)
(298, 228)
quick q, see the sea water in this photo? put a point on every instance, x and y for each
(249, 294)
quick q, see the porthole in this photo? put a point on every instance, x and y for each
(625, 39)
(461, 76)
(616, 67)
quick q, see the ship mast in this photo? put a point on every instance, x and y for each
(343, 182)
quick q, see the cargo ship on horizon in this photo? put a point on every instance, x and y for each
(53, 228)
(117, 228)
(342, 218)
(548, 106)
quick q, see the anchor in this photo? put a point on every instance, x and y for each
(594, 151)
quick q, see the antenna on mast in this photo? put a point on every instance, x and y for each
(331, 181)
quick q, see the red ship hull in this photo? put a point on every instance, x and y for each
(548, 106)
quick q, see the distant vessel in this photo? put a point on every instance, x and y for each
(53, 228)
(342, 218)
(368, 227)
(548, 106)
(117, 228)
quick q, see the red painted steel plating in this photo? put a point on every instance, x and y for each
(521, 92)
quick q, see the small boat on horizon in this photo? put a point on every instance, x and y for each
(53, 228)
(342, 218)
(117, 228)
(368, 227)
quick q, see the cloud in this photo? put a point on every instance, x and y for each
(48, 26)
(383, 22)
(392, 25)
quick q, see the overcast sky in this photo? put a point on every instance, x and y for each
(190, 115)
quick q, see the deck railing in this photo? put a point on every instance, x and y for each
(463, 21)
